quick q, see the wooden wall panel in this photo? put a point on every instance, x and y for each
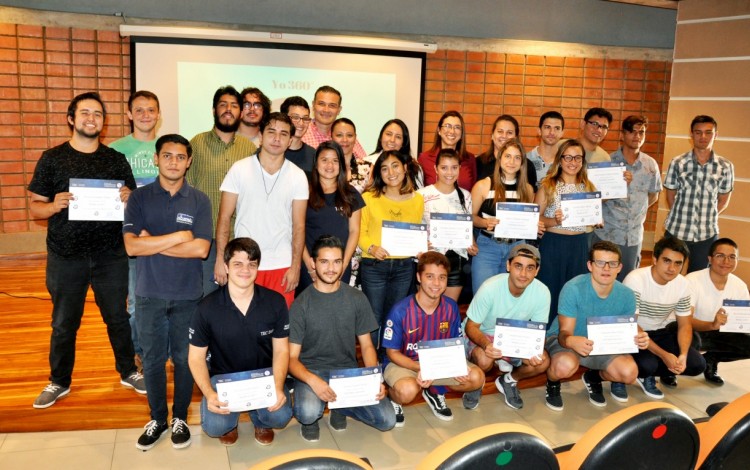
(695, 40)
(702, 9)
(724, 78)
(732, 116)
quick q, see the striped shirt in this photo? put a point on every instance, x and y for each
(212, 158)
(313, 137)
(408, 324)
(695, 216)
(657, 304)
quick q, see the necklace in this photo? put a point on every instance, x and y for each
(263, 177)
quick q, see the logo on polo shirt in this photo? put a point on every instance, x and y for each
(184, 219)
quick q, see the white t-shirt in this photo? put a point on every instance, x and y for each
(656, 304)
(707, 299)
(435, 201)
(264, 207)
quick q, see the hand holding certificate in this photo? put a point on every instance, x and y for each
(442, 359)
(517, 220)
(355, 387)
(244, 391)
(581, 209)
(452, 231)
(96, 200)
(519, 338)
(612, 335)
(403, 239)
(738, 316)
(609, 179)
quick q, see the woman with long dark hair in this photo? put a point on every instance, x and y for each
(450, 135)
(357, 171)
(394, 135)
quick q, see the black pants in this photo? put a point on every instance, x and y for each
(650, 365)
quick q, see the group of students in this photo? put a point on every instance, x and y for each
(206, 299)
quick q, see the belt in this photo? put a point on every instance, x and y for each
(501, 241)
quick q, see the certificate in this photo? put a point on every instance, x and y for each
(442, 359)
(738, 316)
(249, 390)
(581, 209)
(609, 179)
(355, 387)
(97, 200)
(403, 238)
(612, 335)
(519, 338)
(517, 220)
(451, 231)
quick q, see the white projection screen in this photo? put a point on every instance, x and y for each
(376, 85)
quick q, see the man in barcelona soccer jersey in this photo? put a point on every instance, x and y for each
(427, 315)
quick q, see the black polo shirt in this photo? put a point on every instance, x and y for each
(235, 341)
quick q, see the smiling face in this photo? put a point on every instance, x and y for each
(392, 137)
(392, 171)
(503, 132)
(344, 135)
(433, 280)
(576, 155)
(144, 113)
(328, 165)
(329, 265)
(595, 129)
(510, 162)
(522, 271)
(241, 271)
(300, 117)
(89, 119)
(447, 170)
(327, 107)
(724, 260)
(450, 132)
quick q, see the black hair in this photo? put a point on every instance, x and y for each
(176, 139)
(326, 241)
(244, 244)
(89, 95)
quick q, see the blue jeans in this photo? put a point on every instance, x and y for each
(68, 281)
(308, 408)
(208, 270)
(215, 425)
(490, 260)
(163, 328)
(385, 283)
(131, 306)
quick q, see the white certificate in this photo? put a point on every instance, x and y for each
(517, 220)
(442, 359)
(451, 231)
(609, 179)
(403, 239)
(738, 316)
(249, 390)
(581, 209)
(612, 335)
(97, 200)
(519, 338)
(355, 387)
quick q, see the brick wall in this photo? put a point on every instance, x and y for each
(42, 68)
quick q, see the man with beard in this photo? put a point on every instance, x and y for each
(256, 106)
(214, 152)
(551, 126)
(316, 347)
(83, 253)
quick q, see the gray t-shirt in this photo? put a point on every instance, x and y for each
(327, 326)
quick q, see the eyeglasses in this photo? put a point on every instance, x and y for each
(248, 105)
(297, 117)
(572, 158)
(722, 257)
(448, 127)
(595, 124)
(600, 263)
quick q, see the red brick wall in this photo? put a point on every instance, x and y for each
(42, 68)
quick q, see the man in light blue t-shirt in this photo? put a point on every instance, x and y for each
(591, 295)
(517, 295)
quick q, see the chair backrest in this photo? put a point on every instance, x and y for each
(505, 446)
(725, 438)
(645, 436)
(314, 459)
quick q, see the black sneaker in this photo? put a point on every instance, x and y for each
(436, 402)
(400, 419)
(153, 431)
(593, 382)
(310, 432)
(668, 380)
(180, 433)
(553, 398)
(336, 420)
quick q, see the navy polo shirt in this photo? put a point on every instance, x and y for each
(153, 209)
(239, 342)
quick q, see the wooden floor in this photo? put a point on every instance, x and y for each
(96, 399)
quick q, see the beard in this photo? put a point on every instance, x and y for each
(232, 127)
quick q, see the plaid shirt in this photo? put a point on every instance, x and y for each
(314, 138)
(695, 215)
